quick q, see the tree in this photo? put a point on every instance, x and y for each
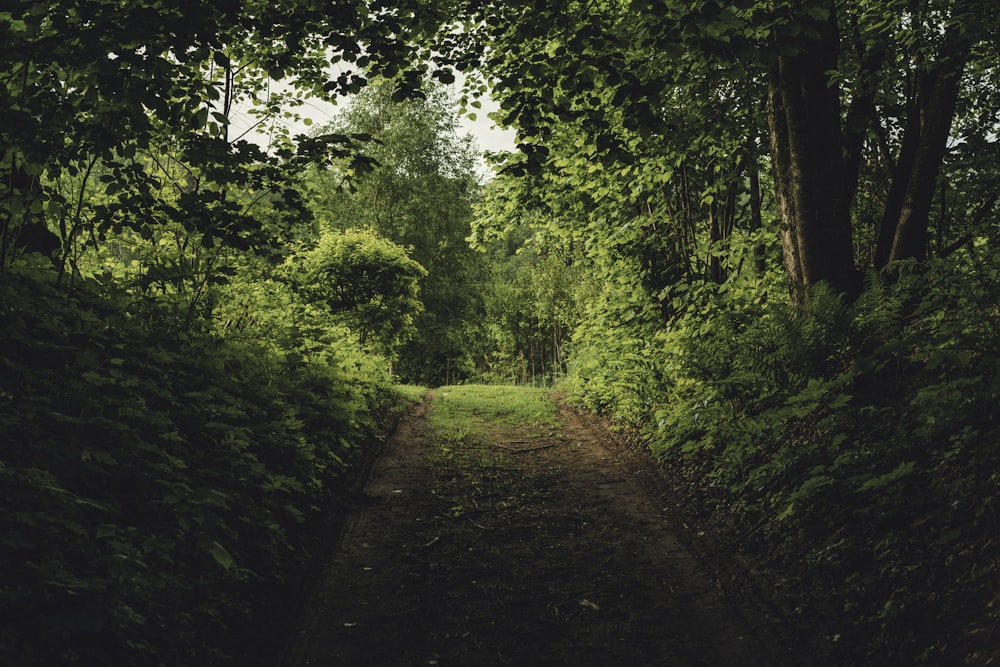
(938, 57)
(419, 194)
(368, 283)
(97, 91)
(531, 298)
(835, 79)
(807, 152)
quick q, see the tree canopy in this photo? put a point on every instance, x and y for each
(135, 102)
(369, 283)
(655, 96)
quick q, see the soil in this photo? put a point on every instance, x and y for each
(563, 550)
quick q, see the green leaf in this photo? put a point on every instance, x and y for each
(221, 555)
(444, 76)
(200, 119)
(902, 470)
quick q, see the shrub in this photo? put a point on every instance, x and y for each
(156, 487)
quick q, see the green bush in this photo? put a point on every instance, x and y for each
(855, 446)
(367, 283)
(157, 486)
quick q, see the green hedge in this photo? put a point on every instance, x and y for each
(156, 484)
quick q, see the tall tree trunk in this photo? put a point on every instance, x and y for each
(897, 185)
(907, 216)
(781, 164)
(861, 113)
(809, 170)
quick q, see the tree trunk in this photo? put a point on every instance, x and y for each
(897, 186)
(861, 113)
(907, 216)
(781, 164)
(809, 170)
(715, 268)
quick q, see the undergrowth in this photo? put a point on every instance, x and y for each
(160, 486)
(852, 446)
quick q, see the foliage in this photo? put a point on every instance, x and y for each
(530, 302)
(660, 114)
(418, 193)
(852, 445)
(176, 421)
(158, 489)
(709, 159)
(177, 413)
(113, 98)
(369, 285)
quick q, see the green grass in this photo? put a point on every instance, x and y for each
(468, 421)
(475, 408)
(410, 392)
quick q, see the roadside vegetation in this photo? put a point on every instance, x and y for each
(161, 485)
(202, 332)
(762, 240)
(759, 237)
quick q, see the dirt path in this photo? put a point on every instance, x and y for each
(563, 557)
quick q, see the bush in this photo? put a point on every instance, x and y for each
(854, 446)
(368, 283)
(156, 487)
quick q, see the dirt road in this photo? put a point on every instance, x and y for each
(559, 554)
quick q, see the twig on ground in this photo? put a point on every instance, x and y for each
(522, 450)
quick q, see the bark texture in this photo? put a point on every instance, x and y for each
(807, 155)
(904, 230)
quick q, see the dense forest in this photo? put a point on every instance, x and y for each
(758, 237)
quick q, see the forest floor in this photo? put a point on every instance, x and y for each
(539, 544)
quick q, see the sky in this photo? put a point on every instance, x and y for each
(487, 136)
